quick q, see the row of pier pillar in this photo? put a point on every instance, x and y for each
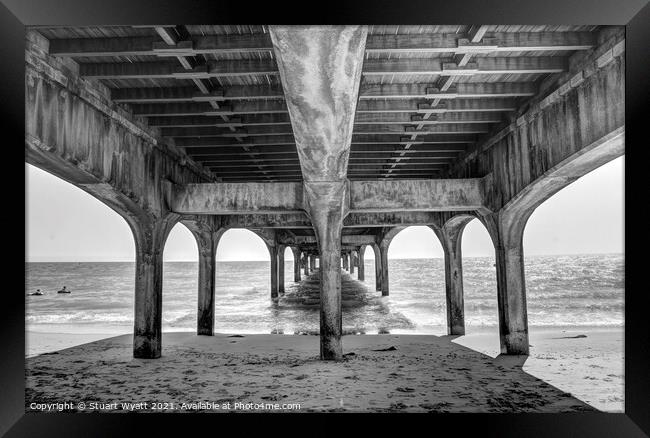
(509, 266)
(306, 263)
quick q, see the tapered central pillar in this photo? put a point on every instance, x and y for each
(326, 211)
(320, 69)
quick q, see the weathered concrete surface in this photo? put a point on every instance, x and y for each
(237, 198)
(326, 211)
(281, 249)
(73, 131)
(272, 221)
(378, 273)
(296, 264)
(273, 253)
(417, 195)
(320, 68)
(365, 197)
(555, 140)
(450, 236)
(507, 238)
(149, 244)
(586, 107)
(207, 237)
(362, 266)
(396, 218)
(305, 263)
(385, 239)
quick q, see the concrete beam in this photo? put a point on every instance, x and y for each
(417, 195)
(364, 196)
(224, 44)
(482, 66)
(236, 198)
(366, 91)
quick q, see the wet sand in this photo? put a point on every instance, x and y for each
(422, 373)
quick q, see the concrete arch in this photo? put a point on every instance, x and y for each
(506, 228)
(207, 236)
(450, 235)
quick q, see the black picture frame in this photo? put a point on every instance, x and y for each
(634, 14)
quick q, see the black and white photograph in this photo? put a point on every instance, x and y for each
(325, 218)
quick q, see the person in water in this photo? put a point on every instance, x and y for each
(64, 291)
(38, 292)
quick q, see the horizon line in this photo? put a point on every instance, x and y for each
(368, 258)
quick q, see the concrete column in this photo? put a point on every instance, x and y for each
(450, 237)
(150, 236)
(378, 276)
(312, 263)
(383, 251)
(296, 265)
(362, 268)
(326, 211)
(273, 252)
(281, 269)
(507, 235)
(207, 241)
(305, 261)
(352, 261)
(346, 261)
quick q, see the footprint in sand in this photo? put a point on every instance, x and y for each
(404, 389)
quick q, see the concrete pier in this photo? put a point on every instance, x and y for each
(362, 266)
(305, 263)
(207, 237)
(329, 157)
(281, 269)
(275, 274)
(450, 235)
(378, 266)
(296, 264)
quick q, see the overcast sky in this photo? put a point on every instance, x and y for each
(66, 224)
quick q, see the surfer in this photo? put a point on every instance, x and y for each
(64, 291)
(38, 292)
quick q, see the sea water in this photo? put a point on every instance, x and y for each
(573, 290)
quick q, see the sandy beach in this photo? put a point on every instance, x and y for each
(380, 373)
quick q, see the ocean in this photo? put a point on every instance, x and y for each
(575, 310)
(573, 291)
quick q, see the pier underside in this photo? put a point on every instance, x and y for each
(327, 140)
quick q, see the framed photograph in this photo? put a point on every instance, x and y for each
(390, 210)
